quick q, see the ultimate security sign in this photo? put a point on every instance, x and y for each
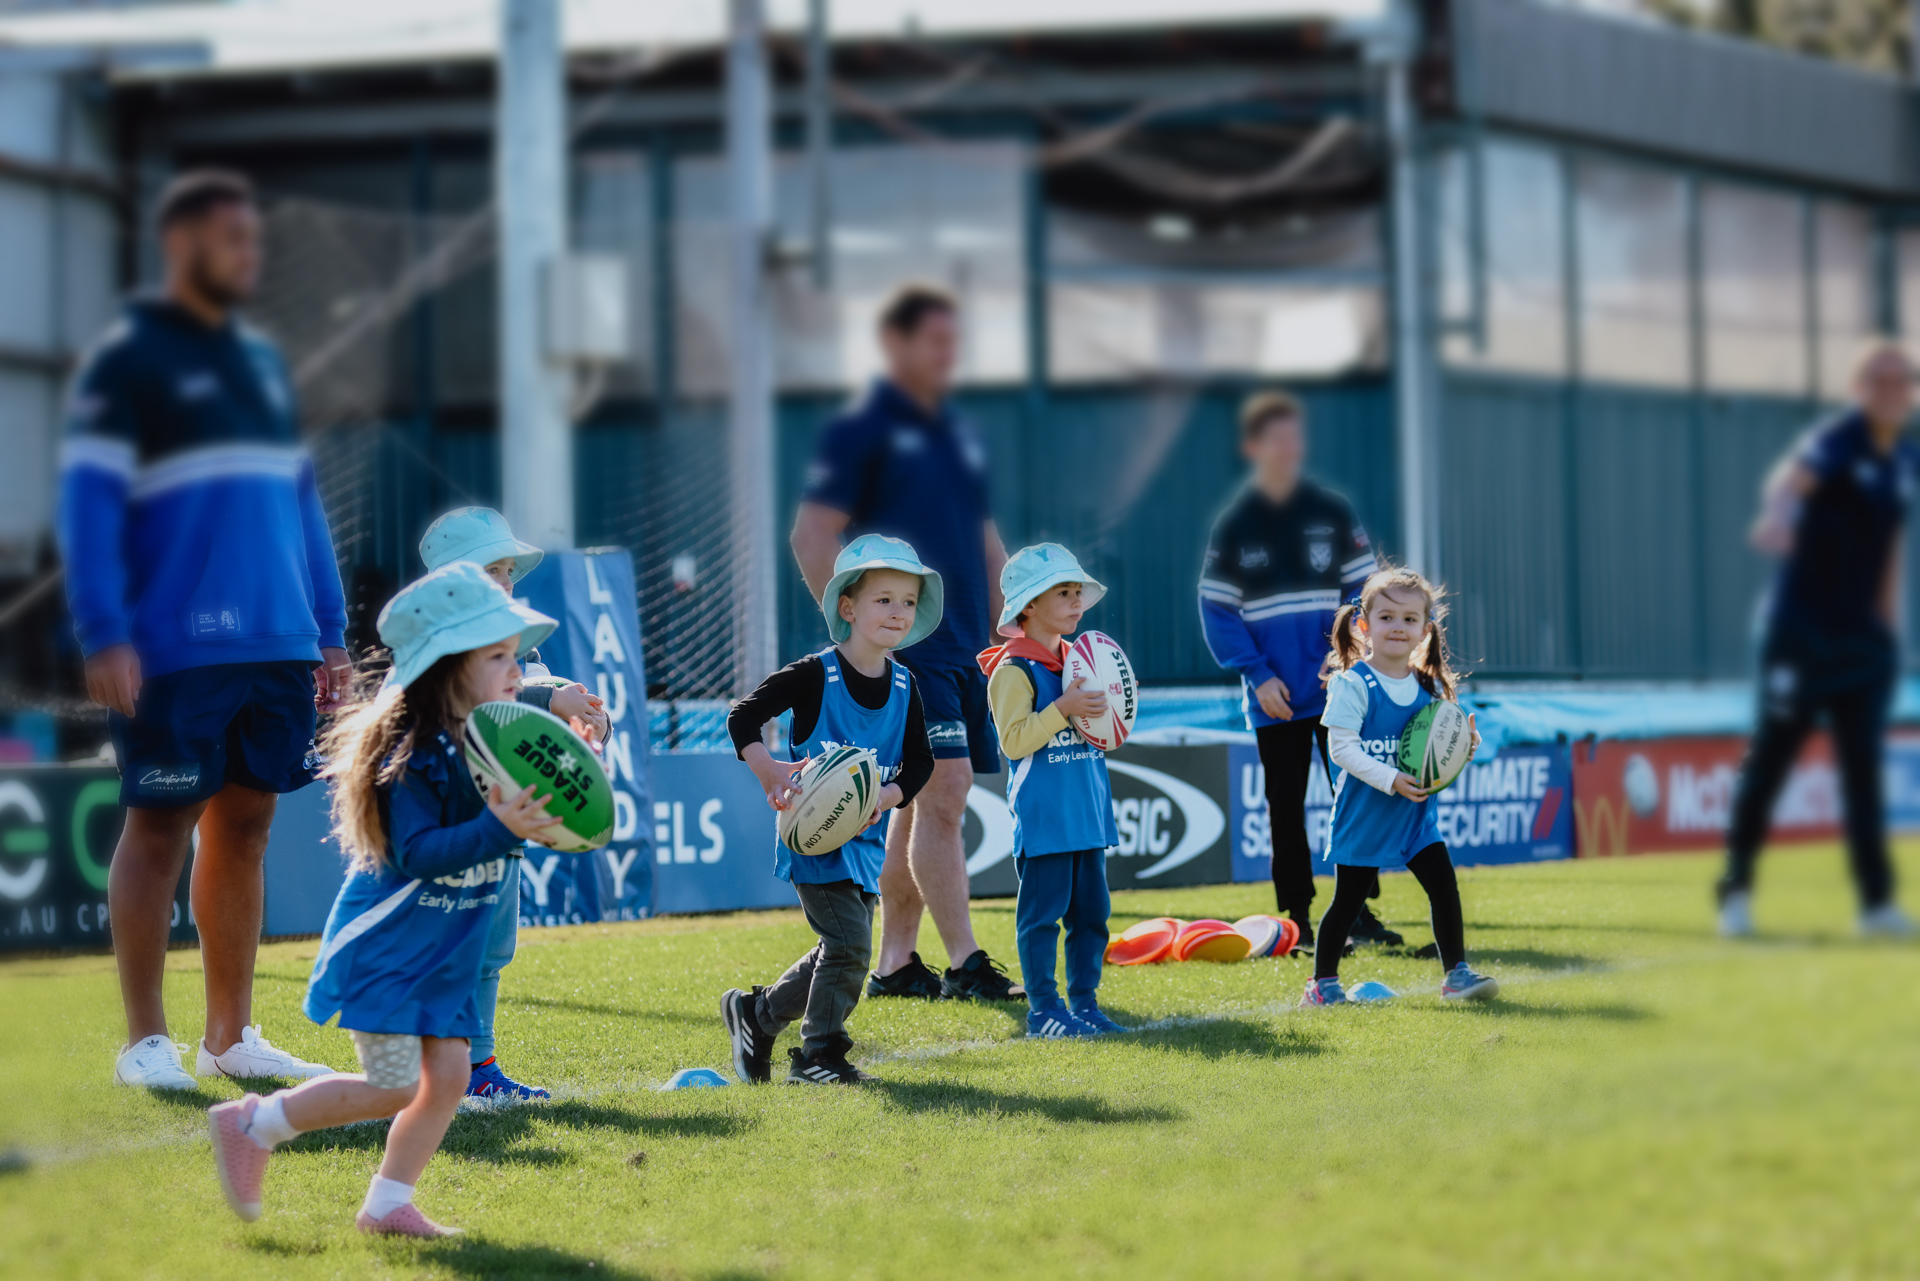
(58, 827)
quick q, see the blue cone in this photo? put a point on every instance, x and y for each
(693, 1078)
(1371, 990)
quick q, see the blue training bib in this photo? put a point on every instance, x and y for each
(1371, 828)
(1060, 795)
(843, 722)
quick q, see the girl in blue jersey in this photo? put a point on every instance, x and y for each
(1061, 800)
(1389, 659)
(853, 694)
(401, 955)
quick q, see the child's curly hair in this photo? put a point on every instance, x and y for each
(1430, 660)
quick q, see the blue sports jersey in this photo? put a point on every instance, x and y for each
(1060, 795)
(844, 723)
(404, 945)
(893, 468)
(1848, 528)
(189, 520)
(1371, 828)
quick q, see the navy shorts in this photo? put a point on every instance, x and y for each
(959, 719)
(196, 730)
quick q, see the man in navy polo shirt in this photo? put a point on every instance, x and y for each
(1833, 510)
(900, 463)
(203, 588)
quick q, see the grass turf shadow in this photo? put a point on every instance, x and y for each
(617, 1011)
(1226, 1038)
(1533, 958)
(952, 1096)
(499, 1135)
(475, 1256)
(1503, 1008)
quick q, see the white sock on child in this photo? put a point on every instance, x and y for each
(270, 1126)
(384, 1196)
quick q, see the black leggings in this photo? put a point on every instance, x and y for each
(1858, 719)
(1286, 758)
(1351, 885)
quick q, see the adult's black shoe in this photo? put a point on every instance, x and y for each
(752, 1047)
(981, 978)
(831, 1070)
(1305, 941)
(1371, 929)
(912, 979)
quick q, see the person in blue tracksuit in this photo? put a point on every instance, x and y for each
(1061, 799)
(853, 694)
(1388, 660)
(482, 536)
(400, 959)
(1283, 555)
(204, 593)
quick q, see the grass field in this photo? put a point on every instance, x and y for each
(1643, 1101)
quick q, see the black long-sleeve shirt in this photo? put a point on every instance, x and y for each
(799, 686)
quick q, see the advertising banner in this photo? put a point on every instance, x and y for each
(1512, 809)
(713, 838)
(598, 644)
(1170, 810)
(58, 827)
(1648, 796)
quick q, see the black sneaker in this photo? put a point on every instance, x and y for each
(752, 1047)
(911, 979)
(1371, 929)
(981, 978)
(1305, 942)
(823, 1071)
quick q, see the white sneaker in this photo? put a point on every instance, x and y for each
(153, 1063)
(1736, 915)
(1886, 922)
(256, 1056)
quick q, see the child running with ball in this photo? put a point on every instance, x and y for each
(1061, 799)
(1389, 660)
(850, 694)
(401, 956)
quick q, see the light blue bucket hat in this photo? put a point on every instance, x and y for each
(1030, 572)
(877, 551)
(478, 534)
(450, 611)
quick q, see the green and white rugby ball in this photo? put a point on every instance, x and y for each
(509, 745)
(1436, 745)
(839, 792)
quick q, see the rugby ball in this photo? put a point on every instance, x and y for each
(1095, 657)
(839, 792)
(509, 745)
(1436, 745)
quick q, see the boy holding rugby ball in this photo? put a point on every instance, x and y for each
(1061, 800)
(851, 694)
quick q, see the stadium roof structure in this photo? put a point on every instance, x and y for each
(255, 36)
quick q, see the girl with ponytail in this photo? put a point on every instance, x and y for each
(1388, 660)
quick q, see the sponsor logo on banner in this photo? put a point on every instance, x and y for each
(1252, 824)
(1646, 796)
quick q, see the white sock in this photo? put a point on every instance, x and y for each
(384, 1196)
(270, 1126)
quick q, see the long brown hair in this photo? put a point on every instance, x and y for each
(1430, 661)
(368, 747)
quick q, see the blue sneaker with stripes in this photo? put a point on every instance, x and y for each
(1096, 1018)
(1462, 984)
(490, 1083)
(1324, 992)
(1053, 1024)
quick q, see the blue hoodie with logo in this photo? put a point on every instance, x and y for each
(189, 520)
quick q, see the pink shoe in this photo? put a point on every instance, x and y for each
(407, 1221)
(242, 1163)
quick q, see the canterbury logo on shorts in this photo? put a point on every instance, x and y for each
(946, 733)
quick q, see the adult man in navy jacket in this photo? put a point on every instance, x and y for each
(902, 463)
(1284, 554)
(205, 596)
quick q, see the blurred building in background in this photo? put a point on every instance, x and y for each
(1640, 261)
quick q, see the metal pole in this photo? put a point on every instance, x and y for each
(1419, 532)
(530, 179)
(750, 436)
(820, 144)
